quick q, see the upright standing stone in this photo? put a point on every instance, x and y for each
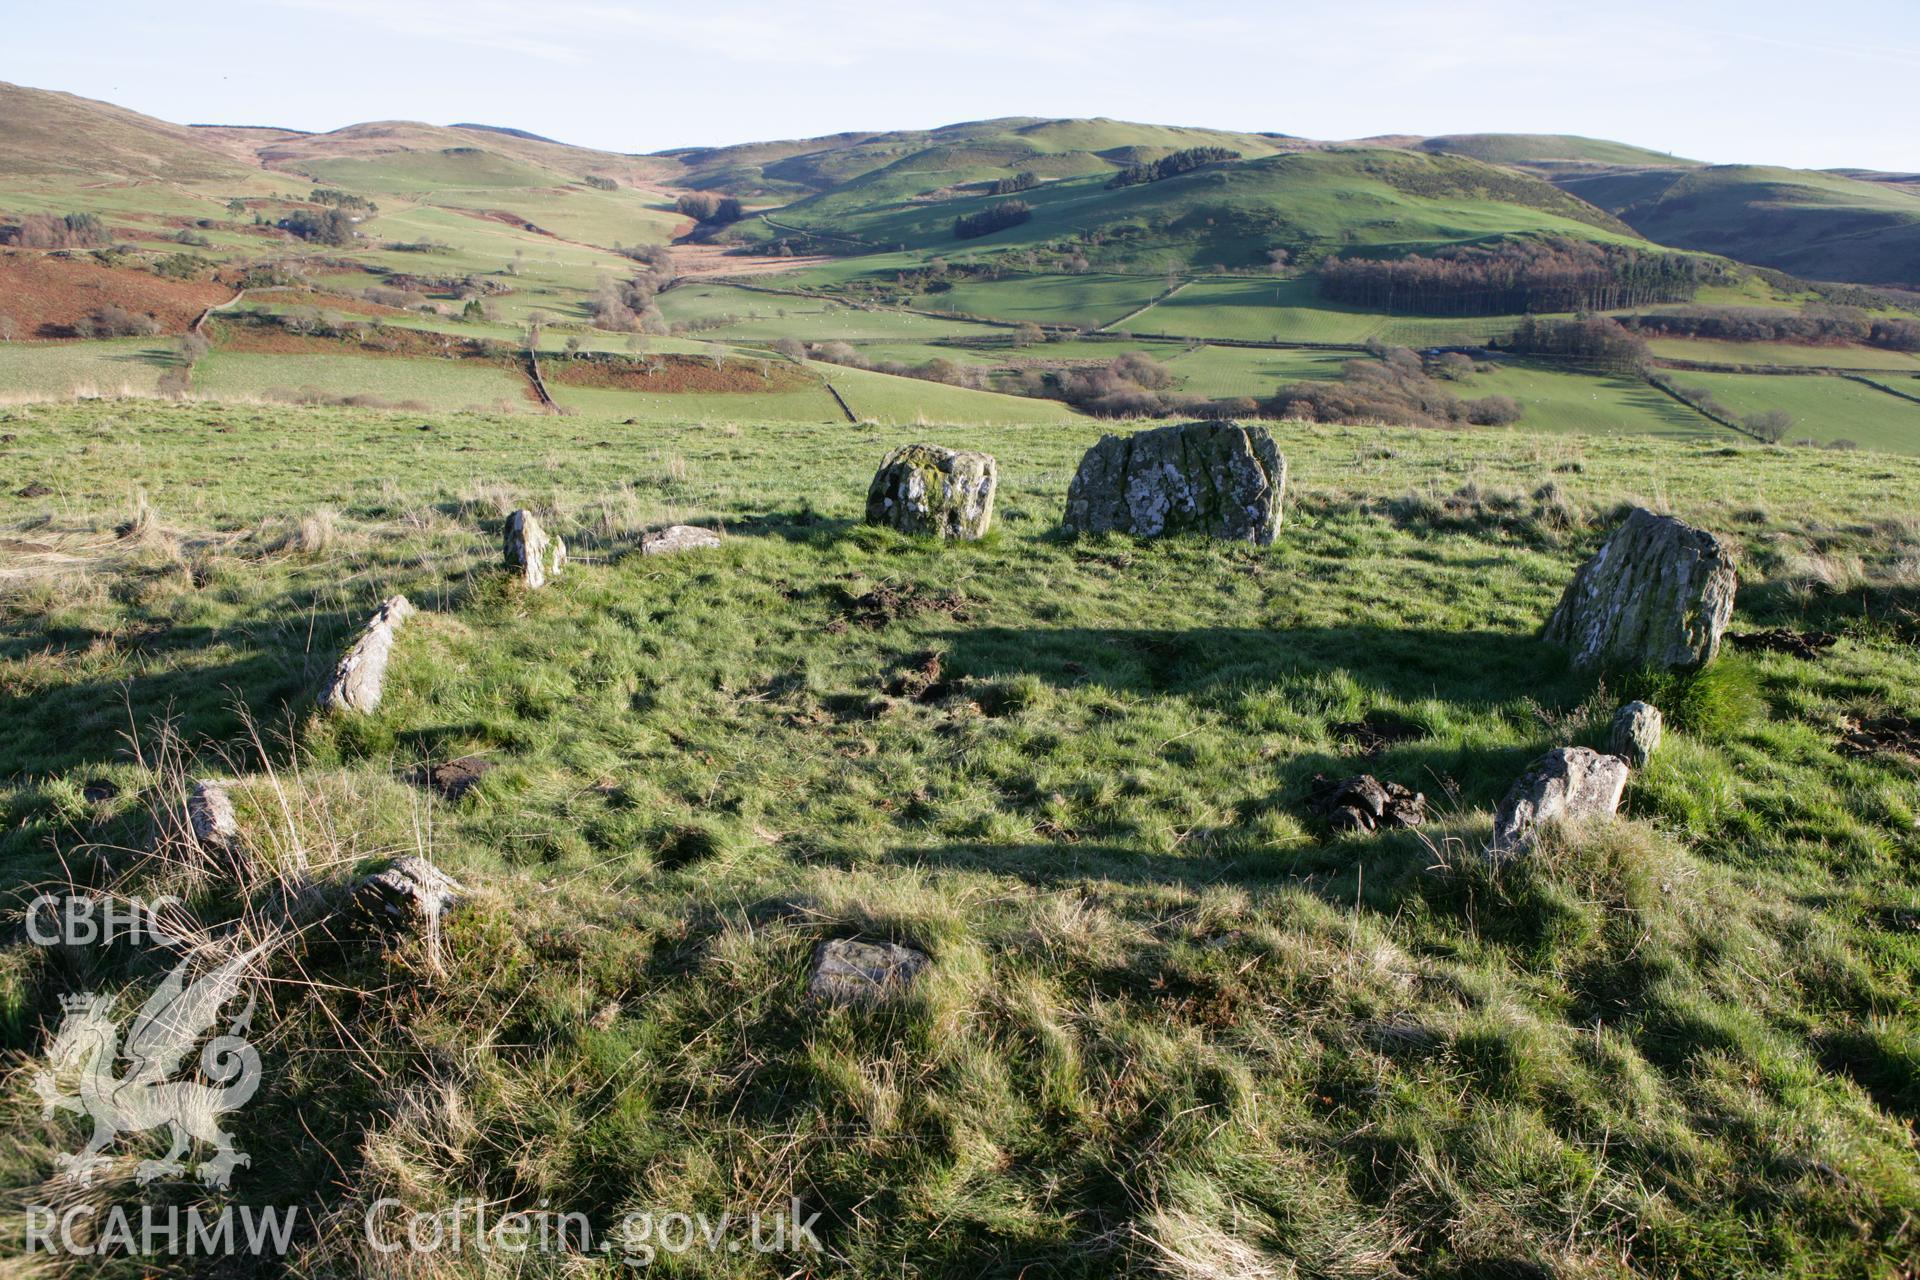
(531, 553)
(1637, 730)
(1569, 784)
(927, 489)
(1657, 594)
(1220, 479)
(361, 676)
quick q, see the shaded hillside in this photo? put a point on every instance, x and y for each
(1822, 226)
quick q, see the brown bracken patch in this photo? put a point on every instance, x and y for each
(48, 297)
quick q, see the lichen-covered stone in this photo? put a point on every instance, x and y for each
(1636, 733)
(1657, 594)
(531, 552)
(846, 971)
(1220, 479)
(211, 819)
(360, 677)
(676, 538)
(410, 892)
(1569, 784)
(927, 489)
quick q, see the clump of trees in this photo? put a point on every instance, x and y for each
(710, 210)
(599, 183)
(1599, 342)
(331, 225)
(1514, 277)
(56, 231)
(117, 322)
(1171, 166)
(1396, 386)
(628, 306)
(1818, 325)
(995, 217)
(1015, 185)
(339, 199)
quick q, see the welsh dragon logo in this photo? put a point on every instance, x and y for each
(167, 1027)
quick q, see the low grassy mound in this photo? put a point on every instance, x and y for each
(1170, 1026)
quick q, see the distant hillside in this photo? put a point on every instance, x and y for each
(973, 151)
(529, 159)
(1822, 226)
(1546, 149)
(1309, 203)
(47, 134)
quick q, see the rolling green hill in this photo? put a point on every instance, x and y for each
(1230, 214)
(974, 151)
(1546, 149)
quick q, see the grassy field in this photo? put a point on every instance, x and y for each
(1824, 409)
(438, 385)
(115, 367)
(1782, 353)
(747, 315)
(885, 398)
(1558, 400)
(1086, 301)
(1292, 310)
(1168, 1016)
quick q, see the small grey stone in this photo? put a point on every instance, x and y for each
(530, 552)
(928, 489)
(849, 972)
(1220, 479)
(1637, 730)
(360, 678)
(1657, 594)
(411, 891)
(1568, 784)
(211, 818)
(678, 537)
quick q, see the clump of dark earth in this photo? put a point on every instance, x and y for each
(34, 490)
(98, 789)
(1377, 731)
(1364, 803)
(885, 605)
(1799, 644)
(456, 777)
(1885, 735)
(920, 678)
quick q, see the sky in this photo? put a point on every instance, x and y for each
(1764, 81)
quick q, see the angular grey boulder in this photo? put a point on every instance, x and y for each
(1568, 784)
(360, 677)
(678, 537)
(531, 552)
(930, 490)
(849, 972)
(1657, 594)
(1220, 479)
(1636, 733)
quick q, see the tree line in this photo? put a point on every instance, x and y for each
(1514, 277)
(1817, 325)
(710, 210)
(1599, 342)
(995, 217)
(1396, 386)
(1171, 166)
